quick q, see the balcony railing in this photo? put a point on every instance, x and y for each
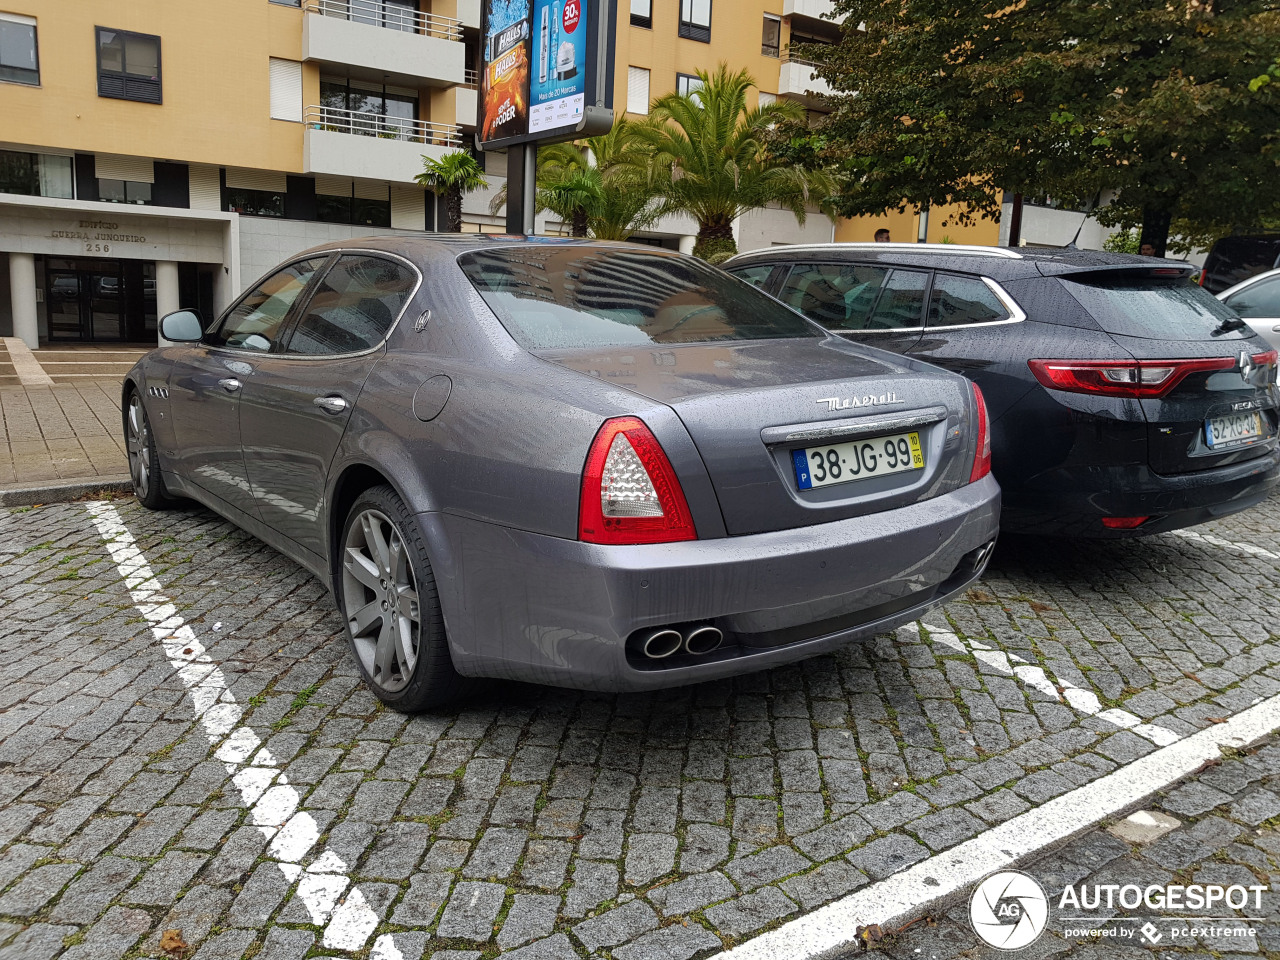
(470, 77)
(789, 57)
(388, 15)
(335, 120)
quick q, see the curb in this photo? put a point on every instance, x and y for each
(947, 877)
(63, 491)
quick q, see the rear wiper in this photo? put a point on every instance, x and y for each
(1227, 325)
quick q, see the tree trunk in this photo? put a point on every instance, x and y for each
(579, 227)
(1155, 229)
(715, 241)
(453, 207)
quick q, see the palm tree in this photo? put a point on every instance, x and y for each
(719, 166)
(455, 173)
(603, 186)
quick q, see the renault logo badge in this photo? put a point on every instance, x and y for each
(1246, 367)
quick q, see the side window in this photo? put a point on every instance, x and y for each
(839, 296)
(901, 303)
(963, 300)
(254, 323)
(757, 276)
(353, 307)
(1259, 301)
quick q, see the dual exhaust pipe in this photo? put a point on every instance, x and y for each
(697, 640)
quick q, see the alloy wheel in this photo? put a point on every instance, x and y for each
(380, 600)
(138, 443)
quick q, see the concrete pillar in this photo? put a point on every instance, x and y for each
(687, 243)
(167, 296)
(224, 291)
(22, 292)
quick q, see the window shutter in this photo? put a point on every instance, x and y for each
(408, 209)
(370, 190)
(327, 186)
(286, 90)
(637, 90)
(205, 191)
(241, 179)
(136, 169)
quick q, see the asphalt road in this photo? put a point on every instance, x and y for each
(187, 758)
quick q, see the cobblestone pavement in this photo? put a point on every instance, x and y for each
(538, 823)
(1224, 831)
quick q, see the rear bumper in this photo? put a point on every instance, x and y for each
(1080, 498)
(528, 607)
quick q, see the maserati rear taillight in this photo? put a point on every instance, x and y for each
(982, 453)
(630, 493)
(1139, 379)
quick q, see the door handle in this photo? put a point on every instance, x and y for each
(332, 404)
(229, 384)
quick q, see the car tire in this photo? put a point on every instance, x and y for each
(144, 463)
(389, 604)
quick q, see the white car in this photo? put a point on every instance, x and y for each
(1257, 300)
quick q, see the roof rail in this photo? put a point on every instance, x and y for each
(951, 249)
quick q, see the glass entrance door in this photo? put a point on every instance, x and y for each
(87, 300)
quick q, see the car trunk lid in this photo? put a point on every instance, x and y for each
(1222, 405)
(750, 406)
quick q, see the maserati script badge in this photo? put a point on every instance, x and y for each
(885, 399)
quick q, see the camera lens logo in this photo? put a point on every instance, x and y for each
(1009, 910)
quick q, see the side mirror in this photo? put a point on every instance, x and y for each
(182, 326)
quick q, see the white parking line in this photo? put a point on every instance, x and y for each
(1209, 538)
(1079, 699)
(944, 877)
(272, 802)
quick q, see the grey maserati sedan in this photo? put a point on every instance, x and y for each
(593, 465)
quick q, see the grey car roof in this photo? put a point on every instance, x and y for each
(454, 244)
(998, 263)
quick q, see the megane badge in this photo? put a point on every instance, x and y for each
(885, 399)
(1246, 367)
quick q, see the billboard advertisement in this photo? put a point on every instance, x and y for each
(504, 94)
(558, 90)
(547, 70)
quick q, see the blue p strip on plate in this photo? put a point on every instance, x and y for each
(802, 469)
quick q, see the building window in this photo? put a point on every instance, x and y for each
(642, 13)
(771, 39)
(128, 65)
(695, 20)
(371, 109)
(35, 174)
(19, 58)
(367, 211)
(124, 191)
(393, 14)
(255, 203)
(688, 86)
(637, 90)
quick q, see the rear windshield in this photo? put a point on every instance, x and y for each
(1157, 311)
(565, 297)
(1244, 253)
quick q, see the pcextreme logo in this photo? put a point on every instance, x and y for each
(1009, 910)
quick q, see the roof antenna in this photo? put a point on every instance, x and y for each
(1093, 205)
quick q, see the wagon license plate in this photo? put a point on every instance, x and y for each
(857, 460)
(1233, 431)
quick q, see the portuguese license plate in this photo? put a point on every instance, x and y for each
(1233, 431)
(857, 460)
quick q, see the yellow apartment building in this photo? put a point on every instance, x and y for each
(156, 154)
